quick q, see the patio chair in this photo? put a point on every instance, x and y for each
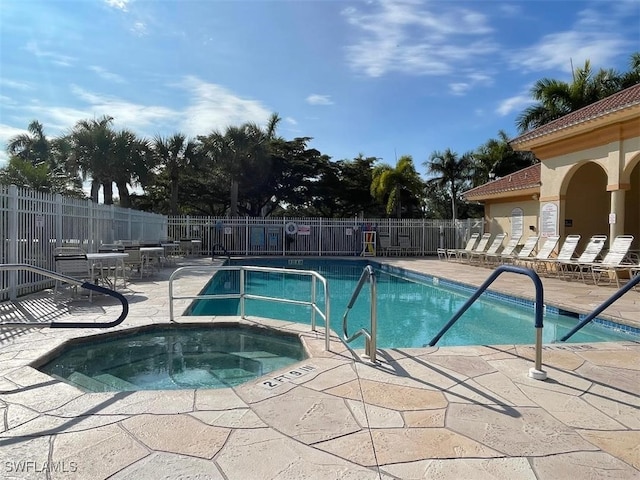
(565, 254)
(481, 247)
(136, 261)
(404, 242)
(492, 250)
(506, 252)
(591, 252)
(385, 245)
(526, 252)
(613, 261)
(544, 253)
(74, 265)
(449, 253)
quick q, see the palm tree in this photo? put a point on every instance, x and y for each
(132, 162)
(93, 144)
(557, 98)
(496, 158)
(173, 154)
(451, 172)
(33, 146)
(241, 151)
(391, 185)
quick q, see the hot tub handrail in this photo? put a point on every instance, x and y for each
(73, 281)
(244, 296)
(368, 275)
(604, 305)
(536, 372)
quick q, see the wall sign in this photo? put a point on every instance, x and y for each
(517, 222)
(549, 219)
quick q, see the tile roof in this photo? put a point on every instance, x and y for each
(521, 180)
(618, 101)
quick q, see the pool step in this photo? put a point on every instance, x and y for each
(88, 383)
(115, 382)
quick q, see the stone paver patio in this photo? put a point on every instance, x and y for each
(441, 413)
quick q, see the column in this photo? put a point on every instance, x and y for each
(616, 217)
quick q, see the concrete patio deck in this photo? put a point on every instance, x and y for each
(445, 413)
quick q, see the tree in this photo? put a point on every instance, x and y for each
(496, 158)
(132, 161)
(451, 173)
(393, 186)
(93, 153)
(173, 155)
(557, 98)
(33, 146)
(38, 177)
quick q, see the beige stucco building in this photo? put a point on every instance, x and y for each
(587, 181)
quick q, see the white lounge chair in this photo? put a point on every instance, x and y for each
(526, 252)
(507, 251)
(544, 253)
(481, 247)
(614, 261)
(566, 253)
(591, 252)
(450, 253)
(492, 250)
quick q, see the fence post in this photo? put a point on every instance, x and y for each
(128, 224)
(12, 251)
(58, 220)
(320, 237)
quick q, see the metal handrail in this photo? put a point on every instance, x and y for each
(224, 250)
(603, 306)
(536, 372)
(242, 296)
(368, 275)
(72, 281)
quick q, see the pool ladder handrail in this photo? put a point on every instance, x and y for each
(368, 275)
(635, 280)
(13, 267)
(315, 276)
(224, 250)
(536, 372)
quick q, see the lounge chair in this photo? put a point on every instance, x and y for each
(450, 253)
(492, 250)
(565, 254)
(544, 253)
(507, 252)
(481, 247)
(591, 252)
(526, 252)
(614, 261)
(74, 264)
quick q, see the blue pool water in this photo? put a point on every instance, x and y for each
(175, 357)
(410, 312)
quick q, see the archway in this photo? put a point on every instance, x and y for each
(587, 202)
(632, 203)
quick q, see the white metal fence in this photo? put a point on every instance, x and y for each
(34, 223)
(317, 236)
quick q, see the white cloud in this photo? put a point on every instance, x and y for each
(515, 103)
(107, 75)
(140, 29)
(471, 80)
(57, 58)
(556, 51)
(213, 107)
(7, 132)
(290, 120)
(404, 36)
(316, 99)
(5, 82)
(119, 4)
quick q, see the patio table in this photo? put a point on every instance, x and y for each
(109, 259)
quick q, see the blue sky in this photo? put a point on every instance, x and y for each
(379, 78)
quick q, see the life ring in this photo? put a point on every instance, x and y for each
(291, 228)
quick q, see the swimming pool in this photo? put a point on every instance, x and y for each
(175, 357)
(410, 310)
